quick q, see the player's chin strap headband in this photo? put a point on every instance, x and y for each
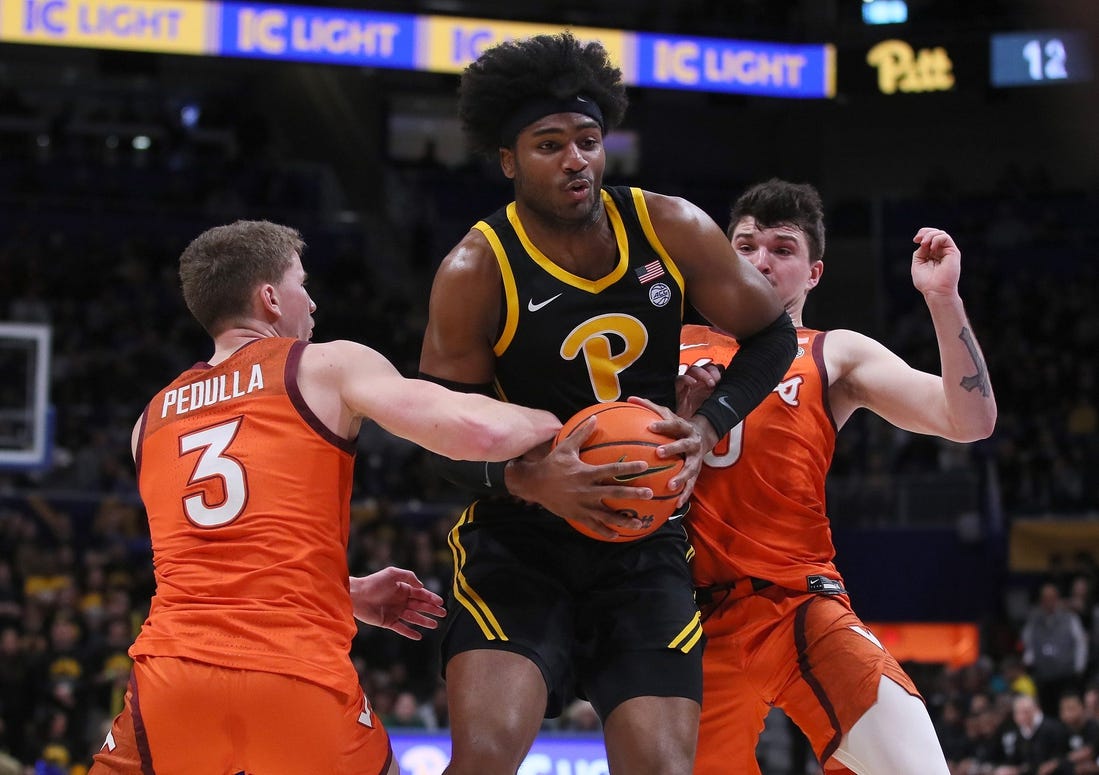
(537, 107)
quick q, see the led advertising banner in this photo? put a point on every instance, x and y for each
(441, 44)
(446, 44)
(427, 753)
(179, 27)
(736, 66)
(323, 35)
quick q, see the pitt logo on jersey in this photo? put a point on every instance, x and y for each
(596, 340)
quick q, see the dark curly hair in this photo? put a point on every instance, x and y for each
(779, 202)
(510, 74)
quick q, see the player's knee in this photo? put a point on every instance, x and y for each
(894, 736)
(500, 749)
(653, 754)
(482, 760)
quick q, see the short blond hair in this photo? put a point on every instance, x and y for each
(222, 266)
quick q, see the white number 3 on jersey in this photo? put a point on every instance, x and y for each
(214, 463)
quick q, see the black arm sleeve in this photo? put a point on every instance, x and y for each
(759, 364)
(479, 476)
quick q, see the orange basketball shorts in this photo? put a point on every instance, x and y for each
(808, 654)
(182, 716)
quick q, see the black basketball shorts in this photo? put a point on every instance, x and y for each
(606, 621)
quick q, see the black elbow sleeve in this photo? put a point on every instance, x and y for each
(759, 364)
(477, 476)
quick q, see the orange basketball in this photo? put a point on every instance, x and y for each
(622, 434)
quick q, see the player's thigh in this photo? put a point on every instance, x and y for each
(511, 593)
(125, 750)
(639, 632)
(497, 701)
(296, 726)
(733, 712)
(839, 667)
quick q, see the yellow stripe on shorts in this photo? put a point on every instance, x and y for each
(463, 592)
(689, 636)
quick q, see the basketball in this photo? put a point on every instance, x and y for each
(622, 434)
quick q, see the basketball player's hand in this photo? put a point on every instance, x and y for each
(565, 485)
(693, 387)
(690, 444)
(394, 598)
(936, 263)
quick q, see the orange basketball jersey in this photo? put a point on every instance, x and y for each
(758, 505)
(247, 495)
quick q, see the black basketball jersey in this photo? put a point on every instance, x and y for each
(567, 341)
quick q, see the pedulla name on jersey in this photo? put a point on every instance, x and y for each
(210, 391)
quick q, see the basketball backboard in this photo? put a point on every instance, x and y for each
(24, 396)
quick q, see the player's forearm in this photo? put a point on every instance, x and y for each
(518, 429)
(486, 429)
(475, 426)
(970, 402)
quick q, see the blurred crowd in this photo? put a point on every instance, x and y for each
(1035, 711)
(99, 267)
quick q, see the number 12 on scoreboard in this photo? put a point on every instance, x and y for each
(1039, 58)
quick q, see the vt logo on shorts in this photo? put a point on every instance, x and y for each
(868, 635)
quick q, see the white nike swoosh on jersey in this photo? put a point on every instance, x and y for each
(535, 307)
(689, 346)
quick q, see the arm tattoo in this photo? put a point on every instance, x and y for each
(978, 381)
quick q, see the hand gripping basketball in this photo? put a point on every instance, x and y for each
(622, 434)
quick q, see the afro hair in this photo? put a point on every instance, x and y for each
(510, 74)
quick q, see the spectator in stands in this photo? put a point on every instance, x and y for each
(1091, 700)
(982, 744)
(405, 712)
(1034, 743)
(950, 728)
(1016, 679)
(11, 597)
(18, 695)
(1055, 648)
(1083, 737)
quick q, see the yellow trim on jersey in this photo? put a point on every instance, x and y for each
(463, 592)
(650, 232)
(583, 283)
(511, 292)
(688, 636)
